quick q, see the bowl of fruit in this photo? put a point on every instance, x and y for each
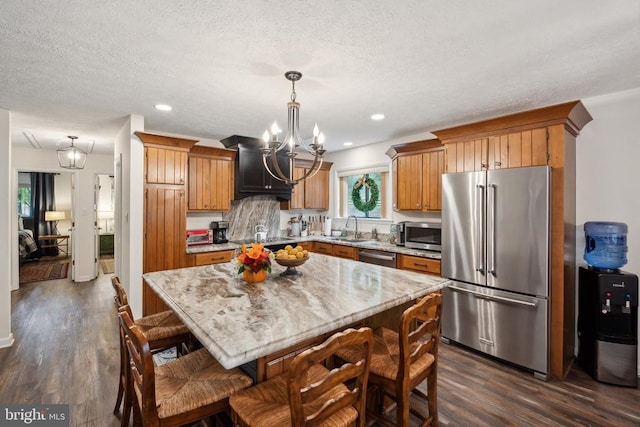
(292, 257)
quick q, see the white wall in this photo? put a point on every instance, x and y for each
(128, 164)
(8, 230)
(28, 159)
(608, 174)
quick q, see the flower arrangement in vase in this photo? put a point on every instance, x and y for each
(254, 263)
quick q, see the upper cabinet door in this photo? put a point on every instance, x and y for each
(432, 170)
(509, 150)
(298, 191)
(467, 156)
(252, 176)
(165, 166)
(222, 188)
(518, 149)
(316, 191)
(409, 182)
(210, 183)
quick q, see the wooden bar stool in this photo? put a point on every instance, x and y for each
(401, 361)
(309, 394)
(183, 391)
(162, 330)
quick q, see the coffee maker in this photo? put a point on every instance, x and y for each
(220, 231)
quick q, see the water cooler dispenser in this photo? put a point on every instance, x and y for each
(608, 308)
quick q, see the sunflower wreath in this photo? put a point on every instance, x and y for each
(374, 194)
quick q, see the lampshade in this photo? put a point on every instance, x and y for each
(54, 216)
(105, 214)
(72, 157)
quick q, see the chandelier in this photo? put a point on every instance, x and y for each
(71, 157)
(291, 141)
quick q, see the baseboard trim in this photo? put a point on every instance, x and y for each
(7, 341)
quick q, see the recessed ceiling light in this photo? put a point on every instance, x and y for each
(348, 143)
(378, 116)
(163, 107)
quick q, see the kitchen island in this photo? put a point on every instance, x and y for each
(241, 323)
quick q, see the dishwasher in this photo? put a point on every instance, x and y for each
(372, 256)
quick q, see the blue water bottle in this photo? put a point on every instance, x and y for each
(605, 244)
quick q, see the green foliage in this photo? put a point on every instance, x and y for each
(374, 194)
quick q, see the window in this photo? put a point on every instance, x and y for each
(363, 185)
(24, 195)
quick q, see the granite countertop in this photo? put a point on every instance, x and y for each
(239, 322)
(368, 244)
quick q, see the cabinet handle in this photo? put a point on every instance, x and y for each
(421, 265)
(484, 166)
(497, 163)
(217, 258)
(181, 180)
(206, 206)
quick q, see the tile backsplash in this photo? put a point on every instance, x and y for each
(246, 213)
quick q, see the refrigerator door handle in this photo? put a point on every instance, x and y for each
(493, 297)
(480, 237)
(491, 226)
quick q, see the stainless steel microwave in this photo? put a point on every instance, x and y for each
(420, 235)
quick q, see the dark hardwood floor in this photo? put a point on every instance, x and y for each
(66, 351)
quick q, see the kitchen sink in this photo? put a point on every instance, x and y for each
(352, 240)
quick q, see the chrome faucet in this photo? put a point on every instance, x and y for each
(347, 225)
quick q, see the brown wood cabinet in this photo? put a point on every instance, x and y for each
(210, 178)
(342, 251)
(417, 170)
(323, 248)
(312, 193)
(208, 258)
(165, 166)
(348, 252)
(509, 150)
(419, 264)
(297, 193)
(546, 136)
(306, 245)
(165, 209)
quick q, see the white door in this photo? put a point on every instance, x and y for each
(96, 227)
(72, 230)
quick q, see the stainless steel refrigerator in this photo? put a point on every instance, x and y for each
(495, 244)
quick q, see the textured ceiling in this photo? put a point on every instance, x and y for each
(80, 68)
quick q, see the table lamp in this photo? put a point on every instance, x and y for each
(54, 216)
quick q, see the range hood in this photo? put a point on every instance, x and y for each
(251, 178)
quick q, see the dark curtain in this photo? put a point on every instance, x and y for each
(43, 194)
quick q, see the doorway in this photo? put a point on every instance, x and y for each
(45, 232)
